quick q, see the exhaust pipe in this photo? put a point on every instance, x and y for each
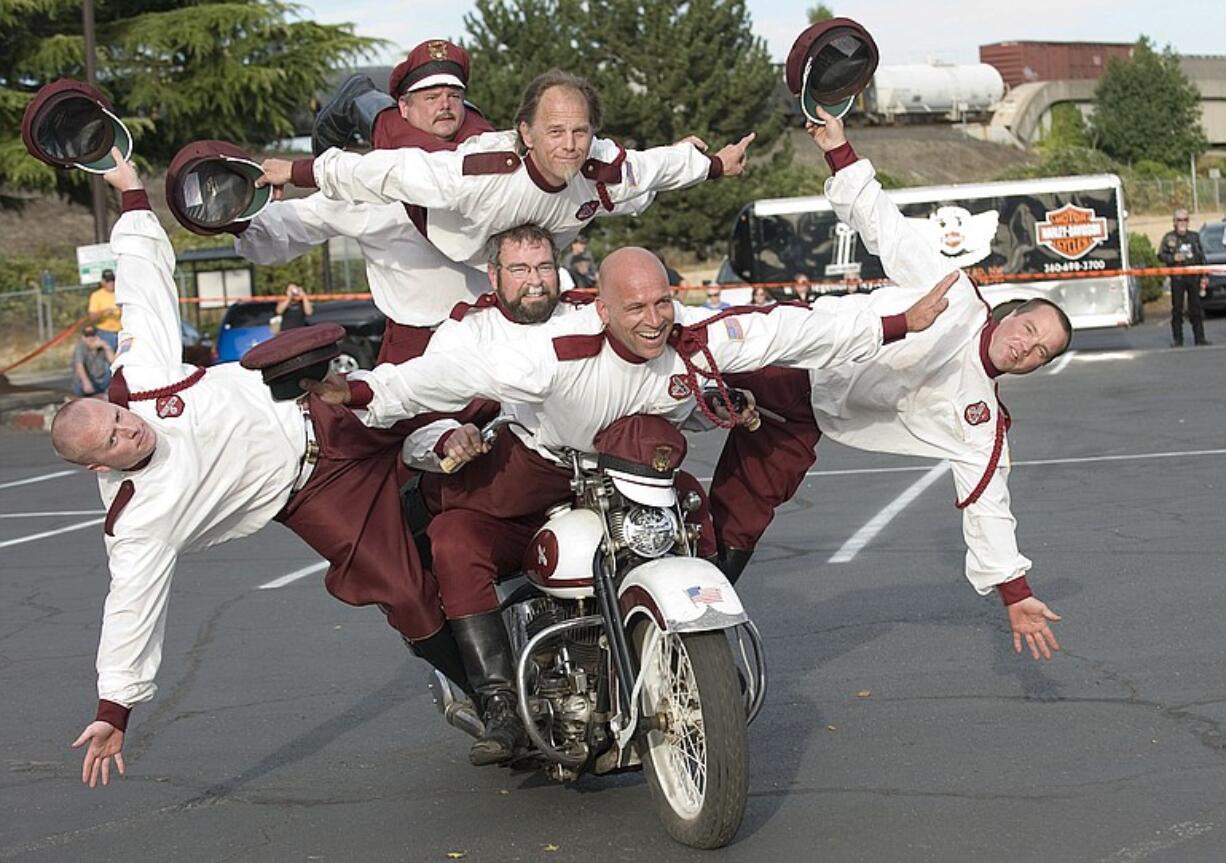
(454, 705)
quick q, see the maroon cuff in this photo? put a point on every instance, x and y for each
(237, 228)
(115, 714)
(717, 168)
(134, 199)
(360, 394)
(893, 328)
(840, 157)
(302, 174)
(438, 445)
(1014, 591)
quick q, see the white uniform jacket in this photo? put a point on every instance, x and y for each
(470, 330)
(579, 383)
(226, 459)
(930, 395)
(483, 187)
(410, 281)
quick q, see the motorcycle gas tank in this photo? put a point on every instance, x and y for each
(559, 558)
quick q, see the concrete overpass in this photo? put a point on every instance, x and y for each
(1026, 109)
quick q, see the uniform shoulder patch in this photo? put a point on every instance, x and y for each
(578, 347)
(461, 309)
(978, 413)
(609, 173)
(126, 489)
(483, 164)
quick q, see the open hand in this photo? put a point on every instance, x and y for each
(921, 315)
(105, 743)
(1029, 621)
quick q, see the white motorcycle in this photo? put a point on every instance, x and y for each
(631, 651)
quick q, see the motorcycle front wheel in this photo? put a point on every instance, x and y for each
(694, 750)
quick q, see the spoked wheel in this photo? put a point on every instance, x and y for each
(694, 748)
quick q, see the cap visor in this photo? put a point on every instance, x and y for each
(436, 81)
(260, 197)
(122, 140)
(642, 490)
(838, 110)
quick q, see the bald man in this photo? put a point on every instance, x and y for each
(574, 384)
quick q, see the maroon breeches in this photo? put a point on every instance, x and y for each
(485, 520)
(759, 471)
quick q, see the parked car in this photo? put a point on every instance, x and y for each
(247, 324)
(1213, 241)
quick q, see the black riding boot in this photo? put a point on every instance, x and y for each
(486, 651)
(732, 562)
(442, 651)
(350, 115)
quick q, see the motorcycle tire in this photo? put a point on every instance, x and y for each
(697, 764)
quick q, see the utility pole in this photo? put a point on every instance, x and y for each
(97, 186)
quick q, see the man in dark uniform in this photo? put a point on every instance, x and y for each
(1181, 248)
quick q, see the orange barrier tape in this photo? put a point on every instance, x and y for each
(46, 346)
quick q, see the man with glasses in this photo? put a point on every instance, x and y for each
(714, 301)
(1181, 248)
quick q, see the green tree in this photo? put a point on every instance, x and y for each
(179, 69)
(820, 12)
(1146, 108)
(665, 69)
(1068, 129)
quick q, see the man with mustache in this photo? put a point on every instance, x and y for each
(934, 395)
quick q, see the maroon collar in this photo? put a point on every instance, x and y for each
(142, 464)
(622, 351)
(537, 177)
(985, 339)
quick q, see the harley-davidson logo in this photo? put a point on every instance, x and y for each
(170, 406)
(662, 458)
(437, 49)
(1071, 231)
(978, 413)
(587, 211)
(678, 387)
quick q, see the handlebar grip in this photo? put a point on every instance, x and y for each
(450, 464)
(755, 423)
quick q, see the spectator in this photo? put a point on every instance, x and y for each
(804, 290)
(714, 303)
(91, 363)
(295, 308)
(1181, 248)
(675, 279)
(761, 297)
(580, 263)
(103, 311)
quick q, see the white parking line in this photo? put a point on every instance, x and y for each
(52, 514)
(294, 576)
(47, 476)
(46, 533)
(877, 523)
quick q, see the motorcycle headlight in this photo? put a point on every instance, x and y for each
(649, 531)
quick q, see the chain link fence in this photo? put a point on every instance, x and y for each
(31, 318)
(1163, 196)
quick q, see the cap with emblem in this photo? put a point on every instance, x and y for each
(829, 65)
(285, 359)
(433, 63)
(641, 454)
(70, 124)
(210, 186)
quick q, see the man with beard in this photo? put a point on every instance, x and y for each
(572, 384)
(410, 281)
(934, 396)
(549, 171)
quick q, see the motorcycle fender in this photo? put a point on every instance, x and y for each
(683, 594)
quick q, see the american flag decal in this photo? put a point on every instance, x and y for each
(704, 595)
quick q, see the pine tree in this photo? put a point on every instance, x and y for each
(1147, 109)
(175, 70)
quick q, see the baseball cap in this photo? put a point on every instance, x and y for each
(210, 186)
(69, 124)
(830, 64)
(108, 275)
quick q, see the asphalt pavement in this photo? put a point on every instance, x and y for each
(900, 725)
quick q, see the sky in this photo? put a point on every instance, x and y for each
(905, 31)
